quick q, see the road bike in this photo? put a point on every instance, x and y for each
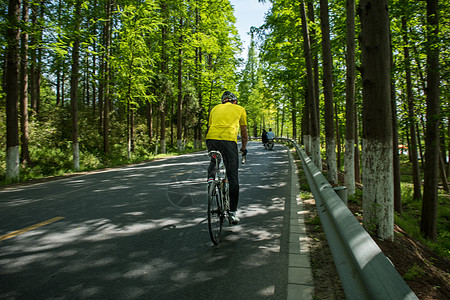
(270, 144)
(218, 197)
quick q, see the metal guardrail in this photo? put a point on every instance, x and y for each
(365, 272)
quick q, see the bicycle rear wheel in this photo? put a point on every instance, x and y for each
(215, 213)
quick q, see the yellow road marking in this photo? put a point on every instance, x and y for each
(179, 174)
(17, 232)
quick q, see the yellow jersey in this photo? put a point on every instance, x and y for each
(224, 122)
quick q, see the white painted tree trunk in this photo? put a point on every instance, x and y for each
(76, 156)
(163, 146)
(307, 141)
(317, 156)
(378, 194)
(12, 164)
(331, 161)
(349, 167)
(180, 147)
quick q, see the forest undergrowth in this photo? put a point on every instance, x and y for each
(424, 265)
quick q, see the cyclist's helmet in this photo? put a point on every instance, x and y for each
(229, 97)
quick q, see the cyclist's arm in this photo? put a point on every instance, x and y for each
(244, 136)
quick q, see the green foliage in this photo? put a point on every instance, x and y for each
(313, 221)
(411, 215)
(414, 273)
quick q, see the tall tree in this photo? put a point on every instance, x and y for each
(104, 94)
(37, 19)
(25, 153)
(198, 75)
(163, 76)
(377, 124)
(315, 136)
(428, 225)
(328, 93)
(412, 146)
(74, 84)
(395, 146)
(12, 91)
(350, 111)
(180, 87)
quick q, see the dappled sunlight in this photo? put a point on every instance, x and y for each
(272, 186)
(76, 182)
(167, 165)
(119, 187)
(359, 245)
(267, 291)
(136, 175)
(12, 265)
(153, 268)
(262, 235)
(141, 232)
(303, 213)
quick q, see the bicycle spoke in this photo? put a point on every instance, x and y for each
(215, 213)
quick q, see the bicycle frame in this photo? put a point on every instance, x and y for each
(221, 178)
(218, 197)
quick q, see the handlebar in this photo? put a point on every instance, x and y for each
(244, 155)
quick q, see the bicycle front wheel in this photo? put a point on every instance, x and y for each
(215, 213)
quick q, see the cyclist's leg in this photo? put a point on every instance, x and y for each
(211, 145)
(231, 160)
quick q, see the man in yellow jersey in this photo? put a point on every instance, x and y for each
(224, 122)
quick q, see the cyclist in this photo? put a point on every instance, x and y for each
(270, 134)
(264, 138)
(270, 137)
(224, 122)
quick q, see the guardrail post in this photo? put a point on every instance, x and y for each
(341, 191)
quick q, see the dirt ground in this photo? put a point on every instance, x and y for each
(431, 273)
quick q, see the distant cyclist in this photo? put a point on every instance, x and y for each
(270, 137)
(224, 122)
(270, 134)
(264, 138)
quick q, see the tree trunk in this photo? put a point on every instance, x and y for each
(395, 149)
(33, 58)
(39, 58)
(378, 194)
(443, 173)
(12, 92)
(106, 76)
(315, 137)
(338, 136)
(294, 119)
(164, 79)
(328, 93)
(25, 153)
(428, 224)
(198, 63)
(350, 124)
(180, 90)
(412, 147)
(74, 86)
(150, 120)
(314, 58)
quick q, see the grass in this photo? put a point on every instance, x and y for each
(51, 162)
(413, 273)
(409, 219)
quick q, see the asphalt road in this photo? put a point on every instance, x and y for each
(140, 232)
